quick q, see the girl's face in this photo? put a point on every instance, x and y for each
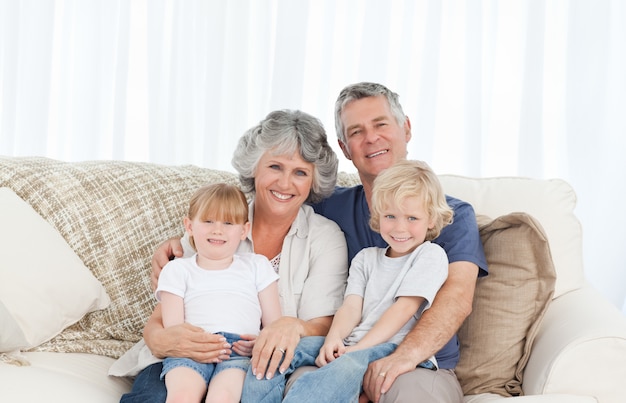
(216, 241)
(283, 183)
(404, 227)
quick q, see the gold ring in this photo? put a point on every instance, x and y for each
(281, 350)
(383, 374)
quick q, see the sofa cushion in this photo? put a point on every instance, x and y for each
(550, 201)
(113, 214)
(508, 307)
(66, 378)
(45, 287)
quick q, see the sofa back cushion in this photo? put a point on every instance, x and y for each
(551, 202)
(113, 215)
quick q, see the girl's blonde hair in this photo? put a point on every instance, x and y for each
(408, 178)
(218, 202)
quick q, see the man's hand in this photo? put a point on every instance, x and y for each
(163, 254)
(381, 374)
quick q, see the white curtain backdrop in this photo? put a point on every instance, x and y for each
(533, 88)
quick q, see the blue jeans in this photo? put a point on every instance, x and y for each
(148, 385)
(207, 371)
(271, 390)
(338, 381)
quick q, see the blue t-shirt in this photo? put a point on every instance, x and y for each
(347, 206)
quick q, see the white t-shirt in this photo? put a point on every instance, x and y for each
(380, 280)
(220, 300)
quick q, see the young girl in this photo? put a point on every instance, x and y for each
(217, 289)
(388, 289)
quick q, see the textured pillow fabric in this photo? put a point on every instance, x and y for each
(113, 214)
(44, 286)
(508, 307)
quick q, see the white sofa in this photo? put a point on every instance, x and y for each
(538, 329)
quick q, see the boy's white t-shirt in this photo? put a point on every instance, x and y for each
(380, 280)
(220, 300)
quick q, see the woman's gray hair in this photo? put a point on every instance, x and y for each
(286, 132)
(365, 90)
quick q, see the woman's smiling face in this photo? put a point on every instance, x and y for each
(282, 182)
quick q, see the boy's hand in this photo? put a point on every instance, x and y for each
(332, 349)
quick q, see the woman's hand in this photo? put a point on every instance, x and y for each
(184, 340)
(244, 346)
(189, 341)
(276, 342)
(163, 254)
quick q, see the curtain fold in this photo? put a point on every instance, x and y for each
(492, 88)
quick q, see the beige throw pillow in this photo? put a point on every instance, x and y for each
(44, 286)
(508, 307)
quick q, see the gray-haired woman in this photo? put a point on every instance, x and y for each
(286, 162)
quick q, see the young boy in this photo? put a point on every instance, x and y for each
(388, 289)
(217, 289)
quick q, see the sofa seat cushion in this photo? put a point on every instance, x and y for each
(508, 307)
(62, 377)
(551, 398)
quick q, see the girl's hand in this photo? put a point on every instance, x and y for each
(244, 347)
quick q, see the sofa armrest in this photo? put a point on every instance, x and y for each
(580, 348)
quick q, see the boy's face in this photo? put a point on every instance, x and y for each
(215, 240)
(404, 227)
(374, 139)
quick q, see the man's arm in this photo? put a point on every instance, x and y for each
(434, 329)
(163, 254)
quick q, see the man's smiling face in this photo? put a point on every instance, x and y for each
(374, 139)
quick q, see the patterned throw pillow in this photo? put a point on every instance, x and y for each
(508, 307)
